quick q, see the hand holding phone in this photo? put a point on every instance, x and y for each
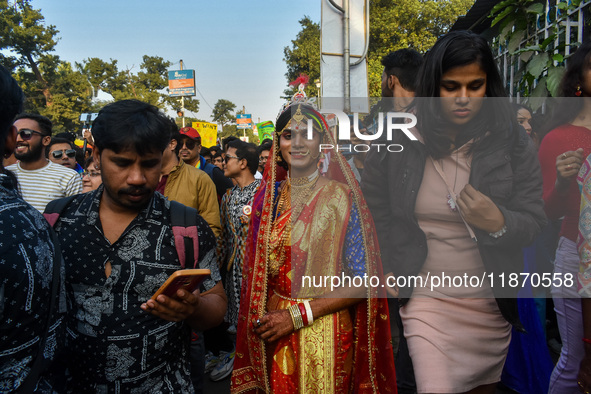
(173, 307)
(188, 280)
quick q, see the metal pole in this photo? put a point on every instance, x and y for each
(183, 101)
(346, 53)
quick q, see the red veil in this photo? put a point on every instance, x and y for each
(373, 363)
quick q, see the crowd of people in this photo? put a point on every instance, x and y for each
(482, 188)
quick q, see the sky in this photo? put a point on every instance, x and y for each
(235, 47)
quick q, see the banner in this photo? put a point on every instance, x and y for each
(208, 133)
(265, 130)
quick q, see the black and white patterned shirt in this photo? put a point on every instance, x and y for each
(115, 346)
(235, 212)
(27, 256)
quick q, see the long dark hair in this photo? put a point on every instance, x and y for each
(456, 49)
(573, 76)
(11, 103)
(567, 108)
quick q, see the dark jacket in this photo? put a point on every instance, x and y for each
(221, 182)
(506, 170)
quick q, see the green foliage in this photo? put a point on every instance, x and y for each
(304, 56)
(150, 84)
(394, 24)
(541, 64)
(188, 121)
(28, 42)
(397, 24)
(232, 130)
(58, 90)
(222, 112)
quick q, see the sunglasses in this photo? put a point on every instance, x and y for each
(190, 144)
(228, 157)
(57, 154)
(27, 134)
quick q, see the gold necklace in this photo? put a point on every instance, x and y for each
(304, 180)
(277, 238)
(301, 191)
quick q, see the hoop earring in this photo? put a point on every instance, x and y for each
(578, 91)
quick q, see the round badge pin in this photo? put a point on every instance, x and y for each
(247, 210)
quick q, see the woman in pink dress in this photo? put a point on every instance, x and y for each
(462, 201)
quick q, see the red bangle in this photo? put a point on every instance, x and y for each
(587, 340)
(303, 312)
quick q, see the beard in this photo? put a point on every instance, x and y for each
(119, 196)
(32, 154)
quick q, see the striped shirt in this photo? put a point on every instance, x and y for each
(39, 187)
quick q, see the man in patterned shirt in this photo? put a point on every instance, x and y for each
(240, 164)
(119, 248)
(27, 259)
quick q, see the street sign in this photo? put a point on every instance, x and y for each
(181, 83)
(243, 121)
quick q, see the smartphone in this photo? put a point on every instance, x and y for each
(188, 280)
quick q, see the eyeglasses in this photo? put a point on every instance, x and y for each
(27, 134)
(226, 159)
(190, 144)
(91, 174)
(57, 154)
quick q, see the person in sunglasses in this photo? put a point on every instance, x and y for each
(40, 179)
(189, 152)
(62, 151)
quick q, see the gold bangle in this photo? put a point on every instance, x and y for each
(292, 317)
(296, 317)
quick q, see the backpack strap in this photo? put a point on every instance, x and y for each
(184, 229)
(54, 209)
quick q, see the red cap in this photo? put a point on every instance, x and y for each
(190, 132)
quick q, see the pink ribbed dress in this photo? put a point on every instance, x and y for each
(457, 337)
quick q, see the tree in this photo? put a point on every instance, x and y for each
(234, 131)
(23, 33)
(304, 56)
(397, 24)
(61, 92)
(394, 24)
(222, 112)
(52, 87)
(150, 84)
(540, 61)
